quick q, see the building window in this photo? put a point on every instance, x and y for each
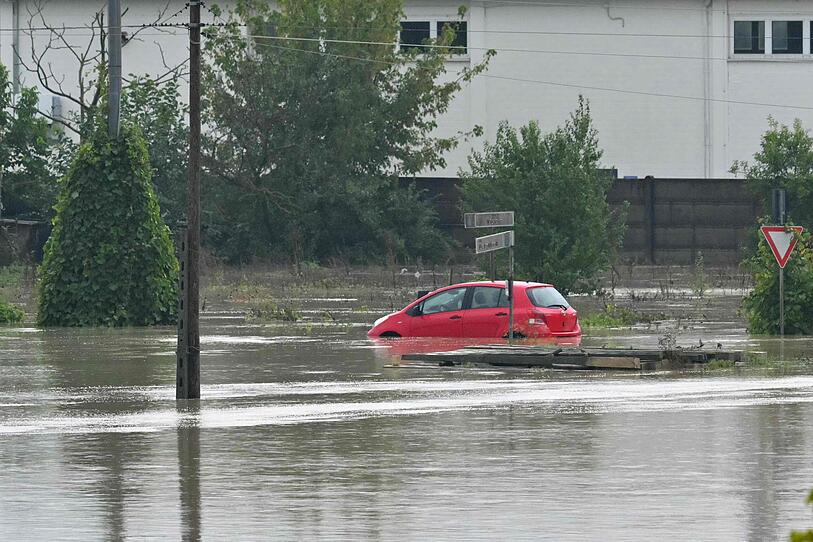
(414, 34)
(787, 37)
(749, 37)
(461, 39)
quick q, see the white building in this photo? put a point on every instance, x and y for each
(678, 88)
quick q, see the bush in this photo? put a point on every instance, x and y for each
(9, 314)
(566, 233)
(761, 306)
(109, 260)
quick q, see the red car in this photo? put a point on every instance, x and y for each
(480, 309)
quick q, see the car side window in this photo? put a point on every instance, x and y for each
(488, 297)
(448, 300)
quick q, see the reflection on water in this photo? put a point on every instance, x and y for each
(309, 435)
(189, 475)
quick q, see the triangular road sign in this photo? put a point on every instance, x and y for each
(782, 240)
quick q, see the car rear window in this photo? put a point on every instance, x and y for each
(547, 296)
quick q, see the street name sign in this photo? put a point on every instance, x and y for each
(497, 241)
(502, 219)
(782, 240)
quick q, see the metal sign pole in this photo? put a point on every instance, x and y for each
(511, 293)
(781, 303)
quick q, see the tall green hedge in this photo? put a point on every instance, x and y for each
(110, 260)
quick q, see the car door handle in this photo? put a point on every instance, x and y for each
(455, 317)
(501, 314)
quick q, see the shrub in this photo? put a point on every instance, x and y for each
(566, 233)
(761, 306)
(109, 260)
(9, 314)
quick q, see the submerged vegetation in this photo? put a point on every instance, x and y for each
(613, 315)
(269, 310)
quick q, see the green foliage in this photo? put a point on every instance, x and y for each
(718, 364)
(307, 138)
(157, 110)
(614, 316)
(9, 314)
(28, 181)
(565, 231)
(785, 160)
(269, 310)
(761, 306)
(109, 260)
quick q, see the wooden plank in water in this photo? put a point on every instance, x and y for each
(617, 362)
(573, 358)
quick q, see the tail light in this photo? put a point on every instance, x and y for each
(537, 318)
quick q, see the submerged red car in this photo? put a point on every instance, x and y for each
(480, 309)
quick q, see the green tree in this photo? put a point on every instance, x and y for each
(785, 160)
(565, 231)
(313, 117)
(27, 180)
(155, 107)
(109, 260)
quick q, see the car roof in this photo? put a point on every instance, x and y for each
(498, 284)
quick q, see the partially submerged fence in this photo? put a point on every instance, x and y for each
(669, 221)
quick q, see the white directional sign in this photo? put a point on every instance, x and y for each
(503, 219)
(497, 241)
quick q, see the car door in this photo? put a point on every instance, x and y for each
(441, 315)
(487, 315)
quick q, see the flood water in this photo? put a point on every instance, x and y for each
(307, 432)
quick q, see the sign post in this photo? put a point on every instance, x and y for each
(782, 240)
(497, 241)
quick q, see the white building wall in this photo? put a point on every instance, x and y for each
(768, 79)
(6, 37)
(665, 89)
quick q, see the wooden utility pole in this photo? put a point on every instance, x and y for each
(187, 382)
(114, 69)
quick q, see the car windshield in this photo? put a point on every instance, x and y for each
(547, 296)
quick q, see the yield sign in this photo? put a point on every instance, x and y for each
(782, 240)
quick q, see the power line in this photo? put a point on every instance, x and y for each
(517, 79)
(428, 46)
(567, 85)
(604, 5)
(497, 49)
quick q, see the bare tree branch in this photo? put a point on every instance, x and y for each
(88, 59)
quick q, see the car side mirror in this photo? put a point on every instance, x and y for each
(415, 311)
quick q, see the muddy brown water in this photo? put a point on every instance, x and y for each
(304, 433)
